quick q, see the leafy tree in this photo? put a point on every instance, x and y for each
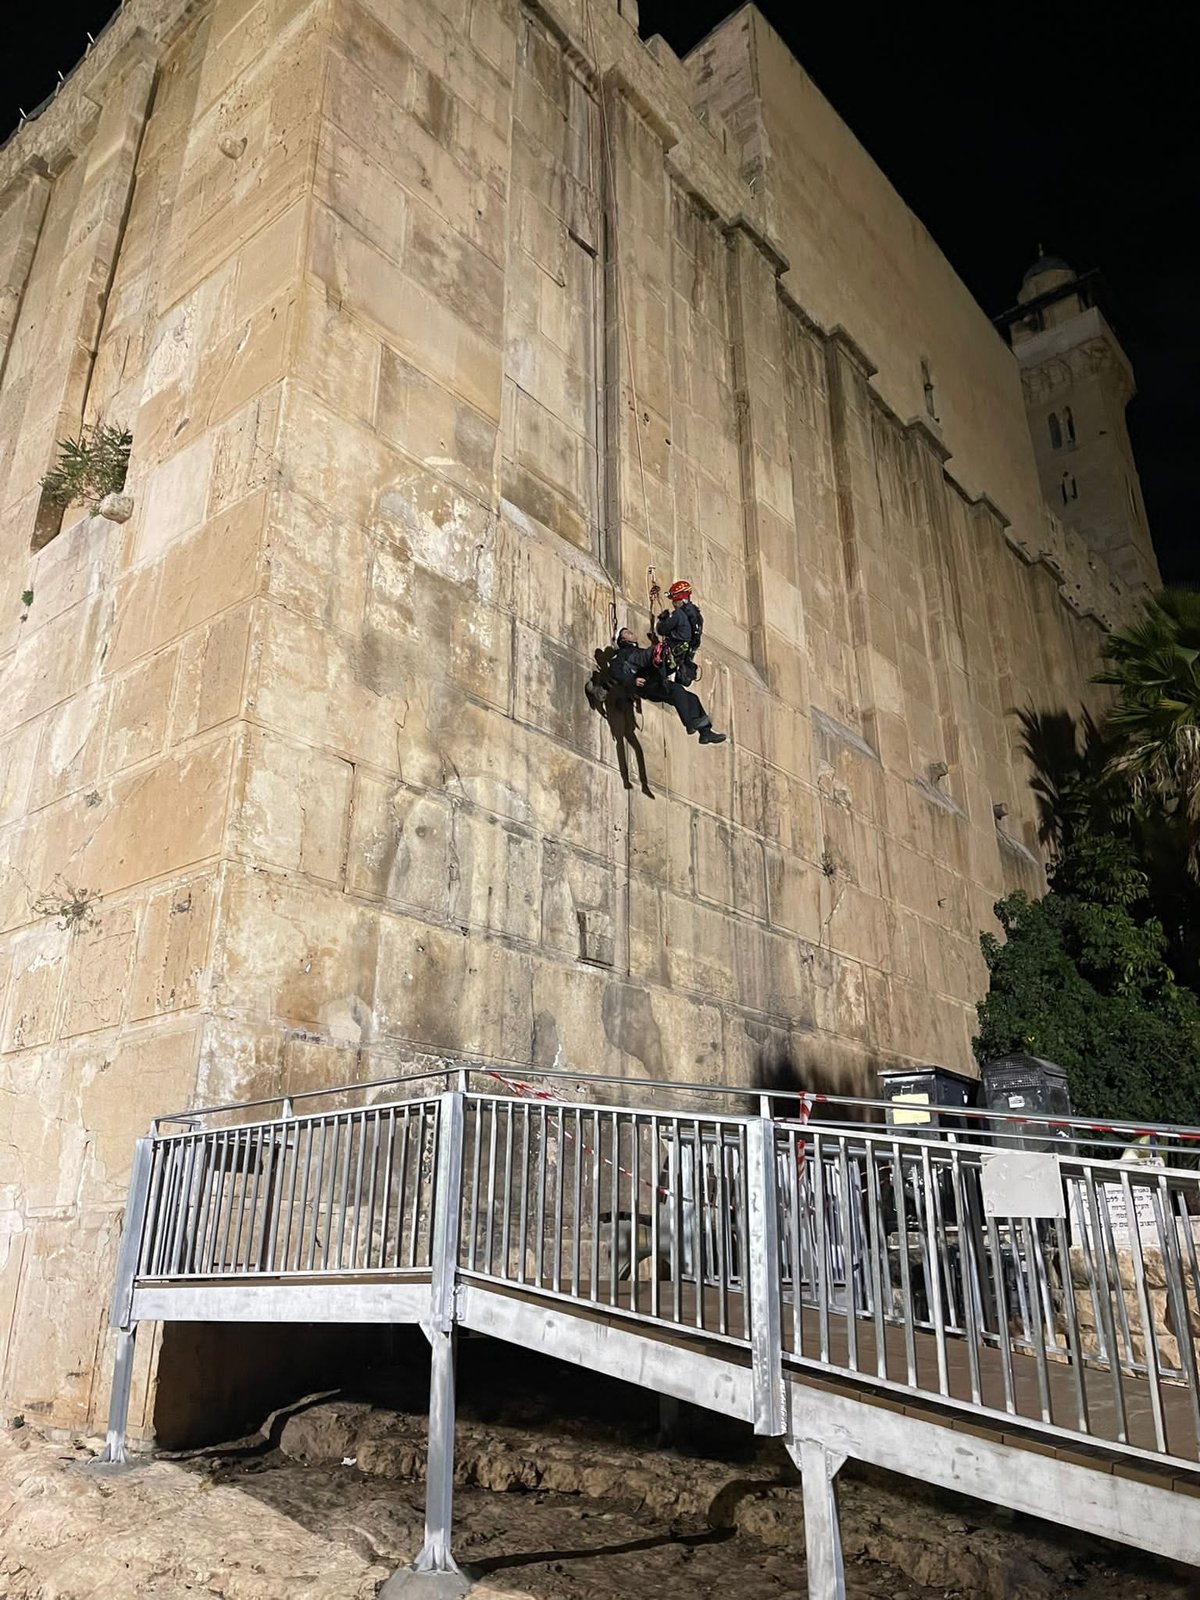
(1086, 976)
(1080, 979)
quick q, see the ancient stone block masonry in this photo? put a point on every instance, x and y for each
(435, 323)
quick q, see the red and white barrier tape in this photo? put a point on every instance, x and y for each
(526, 1090)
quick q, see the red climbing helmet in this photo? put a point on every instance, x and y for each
(680, 590)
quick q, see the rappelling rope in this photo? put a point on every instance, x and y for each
(612, 239)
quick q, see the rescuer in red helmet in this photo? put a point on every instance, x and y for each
(636, 672)
(681, 629)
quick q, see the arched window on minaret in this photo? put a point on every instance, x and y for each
(1069, 425)
(1055, 431)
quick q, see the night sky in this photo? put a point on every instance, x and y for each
(1004, 128)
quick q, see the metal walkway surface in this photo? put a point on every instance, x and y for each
(845, 1286)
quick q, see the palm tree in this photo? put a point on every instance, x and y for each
(1154, 665)
(1080, 795)
(1072, 776)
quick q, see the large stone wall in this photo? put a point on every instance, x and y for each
(435, 323)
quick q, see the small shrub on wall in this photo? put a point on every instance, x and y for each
(89, 467)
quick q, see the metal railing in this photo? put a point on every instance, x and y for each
(842, 1247)
(984, 1126)
(895, 1272)
(640, 1212)
(318, 1195)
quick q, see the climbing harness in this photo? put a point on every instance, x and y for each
(673, 659)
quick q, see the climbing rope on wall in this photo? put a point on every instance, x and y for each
(612, 235)
(654, 596)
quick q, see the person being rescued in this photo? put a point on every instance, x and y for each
(663, 670)
(619, 708)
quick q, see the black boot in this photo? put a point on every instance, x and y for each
(707, 736)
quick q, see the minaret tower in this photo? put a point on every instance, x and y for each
(1078, 381)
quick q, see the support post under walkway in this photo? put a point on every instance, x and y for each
(819, 1467)
(434, 1574)
(121, 1314)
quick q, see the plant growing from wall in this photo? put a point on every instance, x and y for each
(89, 467)
(72, 908)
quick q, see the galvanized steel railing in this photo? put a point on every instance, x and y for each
(604, 1206)
(849, 1249)
(1063, 1324)
(325, 1194)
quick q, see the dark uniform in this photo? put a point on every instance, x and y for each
(631, 662)
(680, 630)
(617, 704)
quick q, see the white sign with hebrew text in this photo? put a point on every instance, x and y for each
(1110, 1193)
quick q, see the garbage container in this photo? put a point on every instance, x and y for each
(923, 1099)
(1026, 1085)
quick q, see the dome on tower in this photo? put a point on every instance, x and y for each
(1046, 273)
(1047, 264)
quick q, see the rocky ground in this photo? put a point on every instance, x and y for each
(328, 1501)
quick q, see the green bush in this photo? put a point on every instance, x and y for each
(1079, 979)
(90, 467)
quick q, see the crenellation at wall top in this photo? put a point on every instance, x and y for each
(61, 127)
(1086, 584)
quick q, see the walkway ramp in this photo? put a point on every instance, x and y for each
(847, 1286)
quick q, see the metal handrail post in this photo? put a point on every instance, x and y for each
(762, 1279)
(434, 1560)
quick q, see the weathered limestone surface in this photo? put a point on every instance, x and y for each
(1130, 1321)
(436, 322)
(307, 1526)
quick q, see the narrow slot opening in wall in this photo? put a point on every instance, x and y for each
(87, 471)
(48, 522)
(930, 392)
